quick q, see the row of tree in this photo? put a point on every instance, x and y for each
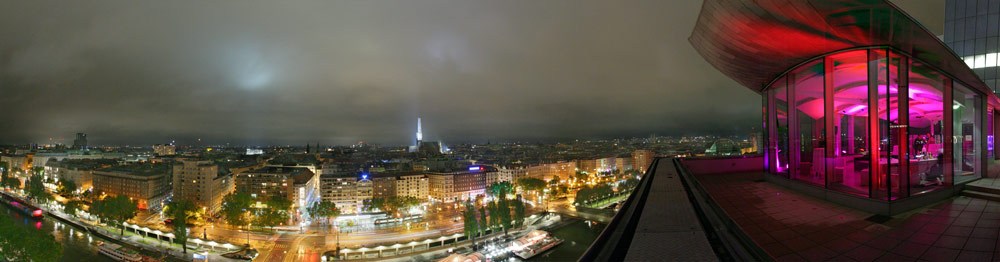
(115, 210)
(66, 187)
(7, 180)
(36, 189)
(531, 184)
(180, 212)
(588, 194)
(323, 209)
(394, 206)
(239, 209)
(501, 213)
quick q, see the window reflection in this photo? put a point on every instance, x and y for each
(780, 98)
(966, 125)
(888, 136)
(926, 128)
(808, 144)
(850, 102)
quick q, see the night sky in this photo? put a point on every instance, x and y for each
(337, 72)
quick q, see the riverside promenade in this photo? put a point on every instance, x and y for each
(156, 248)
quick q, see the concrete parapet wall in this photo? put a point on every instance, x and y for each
(722, 165)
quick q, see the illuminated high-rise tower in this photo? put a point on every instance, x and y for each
(420, 135)
(80, 143)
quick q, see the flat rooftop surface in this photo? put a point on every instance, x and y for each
(793, 227)
(668, 227)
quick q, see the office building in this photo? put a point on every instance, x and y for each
(383, 186)
(972, 29)
(341, 188)
(19, 162)
(80, 171)
(641, 159)
(459, 185)
(165, 149)
(202, 182)
(412, 185)
(145, 183)
(80, 143)
(623, 163)
(298, 184)
(364, 191)
(508, 174)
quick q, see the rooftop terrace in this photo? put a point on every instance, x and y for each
(742, 217)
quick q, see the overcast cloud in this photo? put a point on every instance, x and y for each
(336, 72)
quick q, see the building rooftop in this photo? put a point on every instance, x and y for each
(736, 215)
(138, 169)
(468, 170)
(299, 174)
(81, 164)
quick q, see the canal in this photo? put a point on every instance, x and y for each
(576, 236)
(77, 245)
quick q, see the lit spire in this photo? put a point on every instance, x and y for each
(420, 135)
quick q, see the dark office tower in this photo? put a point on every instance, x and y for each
(80, 142)
(971, 29)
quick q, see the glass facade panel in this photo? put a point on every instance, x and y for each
(892, 132)
(989, 132)
(926, 128)
(766, 131)
(850, 102)
(808, 143)
(875, 123)
(779, 100)
(966, 124)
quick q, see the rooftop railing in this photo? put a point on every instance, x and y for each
(728, 242)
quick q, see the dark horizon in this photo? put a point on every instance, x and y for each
(195, 143)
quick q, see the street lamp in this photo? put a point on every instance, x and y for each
(248, 228)
(248, 233)
(337, 236)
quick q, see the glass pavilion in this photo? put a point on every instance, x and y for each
(857, 98)
(873, 122)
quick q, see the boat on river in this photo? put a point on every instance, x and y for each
(22, 205)
(118, 253)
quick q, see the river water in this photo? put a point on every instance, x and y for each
(576, 237)
(77, 245)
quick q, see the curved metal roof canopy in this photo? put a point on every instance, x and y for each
(755, 41)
